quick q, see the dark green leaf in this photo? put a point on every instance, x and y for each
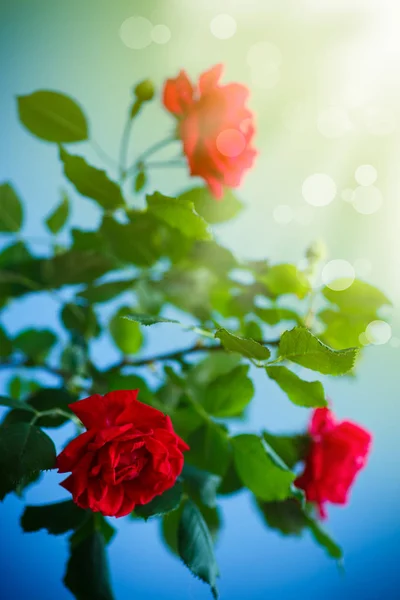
(5, 344)
(231, 482)
(136, 242)
(303, 393)
(300, 346)
(24, 451)
(287, 517)
(140, 181)
(104, 292)
(290, 448)
(209, 449)
(13, 403)
(148, 319)
(87, 575)
(81, 320)
(179, 215)
(205, 484)
(11, 212)
(56, 221)
(35, 343)
(245, 347)
(160, 505)
(75, 266)
(53, 117)
(91, 182)
(51, 399)
(229, 394)
(259, 471)
(286, 279)
(324, 540)
(56, 518)
(206, 206)
(126, 334)
(195, 546)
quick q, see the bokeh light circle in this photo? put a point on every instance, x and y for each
(136, 32)
(231, 142)
(378, 332)
(319, 189)
(366, 175)
(283, 214)
(223, 26)
(338, 275)
(160, 34)
(367, 200)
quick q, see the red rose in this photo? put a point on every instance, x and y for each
(338, 451)
(129, 454)
(215, 126)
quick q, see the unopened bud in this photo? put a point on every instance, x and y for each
(144, 91)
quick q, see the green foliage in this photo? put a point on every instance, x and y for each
(202, 484)
(267, 479)
(5, 344)
(230, 393)
(140, 181)
(205, 205)
(290, 448)
(91, 182)
(57, 219)
(160, 505)
(103, 292)
(87, 575)
(177, 214)
(35, 343)
(247, 347)
(303, 393)
(11, 211)
(195, 546)
(24, 451)
(148, 319)
(55, 518)
(126, 334)
(300, 346)
(285, 279)
(80, 319)
(206, 443)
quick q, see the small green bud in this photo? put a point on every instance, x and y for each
(144, 91)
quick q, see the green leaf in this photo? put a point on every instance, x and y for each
(56, 221)
(206, 206)
(75, 266)
(204, 484)
(287, 517)
(6, 346)
(51, 398)
(19, 387)
(290, 448)
(195, 546)
(53, 117)
(136, 242)
(13, 403)
(246, 347)
(212, 367)
(87, 575)
(57, 518)
(310, 394)
(300, 346)
(148, 319)
(179, 215)
(209, 448)
(160, 505)
(119, 381)
(91, 182)
(273, 316)
(35, 343)
(81, 320)
(286, 279)
(140, 181)
(229, 394)
(262, 474)
(126, 334)
(104, 292)
(24, 451)
(231, 482)
(11, 211)
(359, 298)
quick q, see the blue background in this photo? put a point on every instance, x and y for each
(75, 47)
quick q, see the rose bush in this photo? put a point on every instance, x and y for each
(128, 455)
(338, 451)
(215, 127)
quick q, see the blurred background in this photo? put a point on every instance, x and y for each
(324, 81)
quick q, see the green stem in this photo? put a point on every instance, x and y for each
(123, 153)
(151, 150)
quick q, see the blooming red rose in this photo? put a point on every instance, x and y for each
(129, 454)
(337, 452)
(215, 126)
